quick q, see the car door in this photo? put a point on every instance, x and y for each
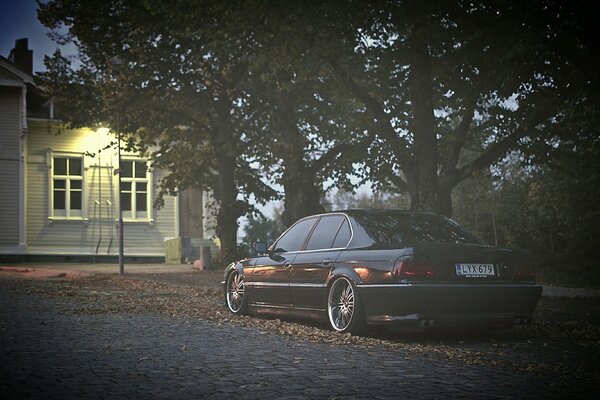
(269, 281)
(312, 266)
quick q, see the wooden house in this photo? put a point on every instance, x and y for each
(59, 190)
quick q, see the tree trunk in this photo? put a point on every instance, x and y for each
(302, 195)
(441, 196)
(230, 209)
(224, 142)
(426, 189)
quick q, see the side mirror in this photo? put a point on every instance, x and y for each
(260, 247)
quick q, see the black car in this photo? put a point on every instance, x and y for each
(366, 267)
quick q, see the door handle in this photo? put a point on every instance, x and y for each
(327, 262)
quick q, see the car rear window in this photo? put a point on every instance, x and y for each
(393, 229)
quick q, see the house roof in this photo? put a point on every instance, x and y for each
(39, 105)
(13, 76)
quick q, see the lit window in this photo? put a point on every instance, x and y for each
(67, 187)
(134, 189)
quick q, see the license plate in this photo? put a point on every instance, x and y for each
(475, 270)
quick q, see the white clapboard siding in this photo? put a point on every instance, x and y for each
(10, 133)
(95, 231)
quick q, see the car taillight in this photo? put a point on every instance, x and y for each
(524, 273)
(412, 269)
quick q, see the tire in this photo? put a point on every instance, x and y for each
(235, 295)
(344, 308)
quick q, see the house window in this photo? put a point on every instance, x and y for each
(134, 189)
(67, 187)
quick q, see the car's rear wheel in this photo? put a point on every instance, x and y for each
(344, 308)
(235, 293)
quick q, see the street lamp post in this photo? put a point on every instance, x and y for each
(117, 64)
(121, 241)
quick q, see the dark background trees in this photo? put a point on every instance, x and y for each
(484, 110)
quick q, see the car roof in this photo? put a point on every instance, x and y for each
(380, 211)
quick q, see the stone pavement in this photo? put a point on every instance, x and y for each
(48, 352)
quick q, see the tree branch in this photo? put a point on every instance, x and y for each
(381, 118)
(460, 134)
(338, 150)
(496, 150)
(491, 154)
(400, 183)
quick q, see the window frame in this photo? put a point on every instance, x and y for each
(148, 180)
(312, 228)
(346, 221)
(70, 214)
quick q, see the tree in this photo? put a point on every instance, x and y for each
(171, 85)
(261, 228)
(439, 78)
(550, 209)
(474, 206)
(315, 130)
(414, 96)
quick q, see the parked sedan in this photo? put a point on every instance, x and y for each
(367, 267)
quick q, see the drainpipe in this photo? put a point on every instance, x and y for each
(23, 173)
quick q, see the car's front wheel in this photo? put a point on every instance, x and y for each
(344, 308)
(235, 293)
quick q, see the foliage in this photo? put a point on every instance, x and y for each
(450, 92)
(316, 131)
(490, 107)
(260, 228)
(172, 86)
(550, 209)
(343, 200)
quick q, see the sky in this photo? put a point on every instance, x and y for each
(18, 19)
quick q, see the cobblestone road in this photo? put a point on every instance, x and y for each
(47, 352)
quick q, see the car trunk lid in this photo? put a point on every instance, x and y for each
(465, 263)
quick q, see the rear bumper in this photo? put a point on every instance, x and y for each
(448, 304)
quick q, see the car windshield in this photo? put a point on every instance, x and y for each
(392, 229)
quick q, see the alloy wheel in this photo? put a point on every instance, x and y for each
(235, 293)
(341, 305)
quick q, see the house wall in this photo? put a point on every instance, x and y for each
(10, 133)
(98, 227)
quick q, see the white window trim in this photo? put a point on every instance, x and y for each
(50, 163)
(149, 219)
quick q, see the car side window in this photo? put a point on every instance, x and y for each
(343, 235)
(324, 233)
(293, 240)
